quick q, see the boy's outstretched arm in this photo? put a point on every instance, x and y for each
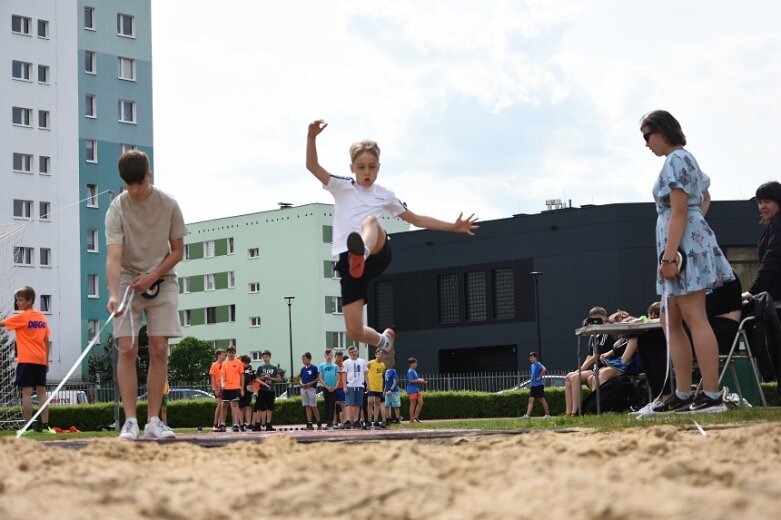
(461, 225)
(315, 127)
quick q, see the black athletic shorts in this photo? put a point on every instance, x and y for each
(246, 400)
(265, 401)
(354, 289)
(230, 395)
(537, 391)
(30, 375)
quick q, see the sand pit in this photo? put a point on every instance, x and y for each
(658, 472)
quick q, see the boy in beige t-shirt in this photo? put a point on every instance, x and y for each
(144, 240)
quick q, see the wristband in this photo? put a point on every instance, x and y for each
(665, 261)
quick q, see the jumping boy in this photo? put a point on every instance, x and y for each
(392, 394)
(144, 242)
(376, 381)
(32, 353)
(267, 374)
(309, 378)
(328, 376)
(414, 382)
(231, 375)
(537, 386)
(359, 240)
(214, 376)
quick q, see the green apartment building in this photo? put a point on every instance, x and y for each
(238, 271)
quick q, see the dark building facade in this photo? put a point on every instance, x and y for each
(466, 304)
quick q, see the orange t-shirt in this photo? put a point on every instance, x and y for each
(341, 377)
(32, 336)
(214, 371)
(233, 371)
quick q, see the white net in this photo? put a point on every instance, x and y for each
(10, 241)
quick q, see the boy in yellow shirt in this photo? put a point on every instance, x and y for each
(376, 383)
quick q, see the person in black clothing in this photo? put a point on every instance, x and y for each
(768, 277)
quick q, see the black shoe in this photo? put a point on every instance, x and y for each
(319, 426)
(346, 425)
(256, 427)
(397, 420)
(270, 428)
(309, 426)
(221, 428)
(674, 404)
(705, 404)
(366, 426)
(236, 428)
(383, 425)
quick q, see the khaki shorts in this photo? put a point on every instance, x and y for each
(161, 312)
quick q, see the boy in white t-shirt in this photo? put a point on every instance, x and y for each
(355, 370)
(359, 240)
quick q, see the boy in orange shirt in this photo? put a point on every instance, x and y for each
(231, 375)
(214, 376)
(32, 352)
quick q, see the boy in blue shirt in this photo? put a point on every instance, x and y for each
(537, 386)
(329, 379)
(414, 382)
(392, 395)
(309, 378)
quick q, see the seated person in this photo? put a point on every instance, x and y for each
(619, 361)
(598, 344)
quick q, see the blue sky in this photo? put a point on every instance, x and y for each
(486, 107)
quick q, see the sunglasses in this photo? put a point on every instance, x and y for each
(648, 135)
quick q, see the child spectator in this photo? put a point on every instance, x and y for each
(144, 241)
(355, 373)
(328, 375)
(32, 352)
(376, 373)
(392, 394)
(537, 386)
(309, 377)
(245, 401)
(598, 344)
(414, 382)
(214, 376)
(266, 375)
(231, 375)
(341, 385)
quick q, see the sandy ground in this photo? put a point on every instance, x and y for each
(658, 472)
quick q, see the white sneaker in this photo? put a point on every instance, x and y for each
(129, 430)
(546, 417)
(156, 429)
(646, 410)
(525, 416)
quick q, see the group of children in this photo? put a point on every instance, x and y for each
(348, 386)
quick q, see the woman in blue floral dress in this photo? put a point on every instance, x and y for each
(691, 263)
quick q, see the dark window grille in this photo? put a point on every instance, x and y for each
(447, 289)
(476, 305)
(383, 292)
(504, 294)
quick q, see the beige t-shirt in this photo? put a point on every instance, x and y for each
(144, 229)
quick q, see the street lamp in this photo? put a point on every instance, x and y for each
(289, 300)
(536, 278)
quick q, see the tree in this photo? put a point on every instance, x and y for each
(190, 361)
(101, 364)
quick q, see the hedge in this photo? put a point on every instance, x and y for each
(438, 405)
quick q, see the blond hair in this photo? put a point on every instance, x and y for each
(364, 146)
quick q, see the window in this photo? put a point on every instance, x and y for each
(208, 282)
(211, 315)
(23, 256)
(93, 327)
(92, 286)
(92, 195)
(127, 68)
(334, 271)
(44, 210)
(383, 304)
(231, 279)
(21, 70)
(230, 246)
(44, 165)
(46, 303)
(447, 290)
(92, 240)
(254, 321)
(43, 29)
(90, 62)
(254, 252)
(126, 148)
(208, 249)
(188, 317)
(339, 340)
(91, 146)
(187, 251)
(20, 24)
(232, 312)
(337, 305)
(186, 285)
(43, 74)
(45, 257)
(90, 105)
(89, 18)
(328, 234)
(23, 208)
(23, 162)
(475, 295)
(126, 25)
(22, 116)
(43, 119)
(504, 294)
(256, 355)
(254, 287)
(127, 111)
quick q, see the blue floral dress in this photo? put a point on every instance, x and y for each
(706, 266)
